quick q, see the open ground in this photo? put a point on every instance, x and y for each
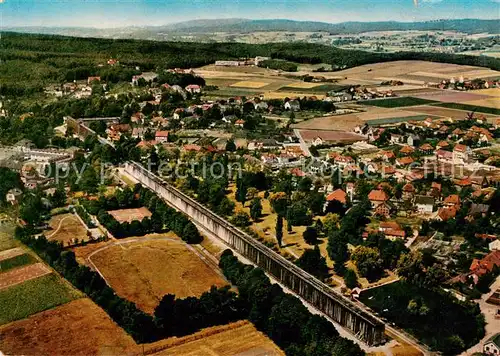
(76, 328)
(66, 228)
(129, 215)
(143, 270)
(239, 338)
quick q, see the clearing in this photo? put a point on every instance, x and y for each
(79, 327)
(143, 270)
(33, 296)
(239, 338)
(129, 215)
(66, 228)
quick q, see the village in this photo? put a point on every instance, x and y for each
(360, 185)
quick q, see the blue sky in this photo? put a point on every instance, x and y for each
(116, 13)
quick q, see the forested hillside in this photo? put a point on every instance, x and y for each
(29, 62)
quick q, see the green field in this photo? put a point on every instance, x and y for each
(33, 296)
(397, 102)
(7, 240)
(320, 89)
(467, 107)
(17, 261)
(443, 323)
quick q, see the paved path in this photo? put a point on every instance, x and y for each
(303, 144)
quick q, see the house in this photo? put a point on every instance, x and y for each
(395, 234)
(426, 149)
(424, 204)
(492, 345)
(384, 209)
(292, 105)
(494, 245)
(479, 268)
(193, 88)
(14, 196)
(338, 195)
(239, 123)
(404, 161)
(93, 79)
(138, 132)
(406, 150)
(137, 118)
(478, 209)
(408, 191)
(387, 155)
(446, 213)
(413, 140)
(442, 144)
(349, 189)
(161, 136)
(395, 138)
(377, 197)
(452, 200)
(343, 161)
(461, 153)
(443, 155)
(178, 113)
(389, 225)
(317, 141)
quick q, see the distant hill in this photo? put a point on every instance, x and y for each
(471, 26)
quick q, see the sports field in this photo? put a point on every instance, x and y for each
(143, 271)
(129, 215)
(32, 296)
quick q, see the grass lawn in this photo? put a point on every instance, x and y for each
(18, 261)
(397, 102)
(469, 107)
(33, 296)
(439, 326)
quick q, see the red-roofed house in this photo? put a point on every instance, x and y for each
(377, 196)
(452, 200)
(461, 153)
(407, 150)
(426, 149)
(338, 195)
(447, 213)
(481, 267)
(161, 136)
(193, 88)
(404, 161)
(92, 79)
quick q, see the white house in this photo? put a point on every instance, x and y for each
(492, 345)
(13, 196)
(161, 136)
(494, 245)
(424, 204)
(292, 105)
(317, 141)
(461, 153)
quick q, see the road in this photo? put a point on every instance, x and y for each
(303, 144)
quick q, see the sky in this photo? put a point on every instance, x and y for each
(119, 13)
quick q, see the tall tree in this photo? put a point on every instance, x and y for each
(279, 230)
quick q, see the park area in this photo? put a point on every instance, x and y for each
(67, 229)
(144, 269)
(437, 319)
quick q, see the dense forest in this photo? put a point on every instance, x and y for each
(29, 62)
